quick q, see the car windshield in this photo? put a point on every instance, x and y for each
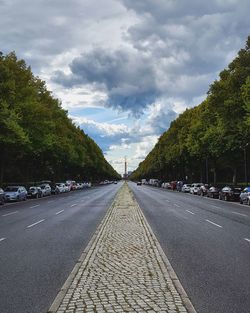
(13, 189)
(32, 188)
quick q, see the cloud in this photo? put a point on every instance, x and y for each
(174, 50)
(127, 76)
(105, 134)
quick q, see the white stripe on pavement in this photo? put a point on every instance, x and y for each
(2, 239)
(34, 206)
(248, 240)
(73, 205)
(190, 212)
(241, 214)
(10, 213)
(59, 212)
(178, 206)
(213, 223)
(35, 223)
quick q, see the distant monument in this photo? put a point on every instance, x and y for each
(125, 175)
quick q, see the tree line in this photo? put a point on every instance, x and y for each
(210, 142)
(37, 138)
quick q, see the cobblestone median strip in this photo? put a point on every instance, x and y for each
(123, 269)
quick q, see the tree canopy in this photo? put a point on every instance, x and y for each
(210, 141)
(37, 138)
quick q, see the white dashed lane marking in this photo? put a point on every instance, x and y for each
(59, 212)
(73, 205)
(190, 212)
(178, 206)
(2, 239)
(35, 223)
(241, 214)
(248, 240)
(10, 213)
(217, 225)
(34, 206)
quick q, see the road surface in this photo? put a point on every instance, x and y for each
(208, 244)
(40, 242)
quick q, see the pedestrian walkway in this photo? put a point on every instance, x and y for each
(124, 269)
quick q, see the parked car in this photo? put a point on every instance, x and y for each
(71, 184)
(195, 188)
(61, 187)
(46, 189)
(54, 189)
(34, 192)
(186, 188)
(202, 191)
(15, 193)
(179, 185)
(173, 184)
(139, 183)
(228, 193)
(2, 196)
(213, 192)
(245, 196)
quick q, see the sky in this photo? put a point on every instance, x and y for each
(124, 69)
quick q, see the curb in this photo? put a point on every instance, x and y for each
(186, 300)
(85, 256)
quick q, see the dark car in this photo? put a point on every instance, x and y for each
(55, 190)
(213, 192)
(2, 196)
(35, 192)
(245, 196)
(230, 193)
(202, 191)
(139, 183)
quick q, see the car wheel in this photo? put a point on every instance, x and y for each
(248, 202)
(241, 202)
(226, 198)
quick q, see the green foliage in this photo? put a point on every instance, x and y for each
(37, 139)
(216, 131)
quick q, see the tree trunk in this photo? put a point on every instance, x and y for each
(235, 176)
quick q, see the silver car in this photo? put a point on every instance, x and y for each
(15, 193)
(245, 196)
(46, 190)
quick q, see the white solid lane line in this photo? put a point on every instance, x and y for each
(2, 239)
(10, 213)
(35, 223)
(59, 212)
(73, 205)
(248, 240)
(34, 206)
(217, 207)
(190, 212)
(241, 214)
(214, 223)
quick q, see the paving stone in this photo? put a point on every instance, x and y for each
(123, 270)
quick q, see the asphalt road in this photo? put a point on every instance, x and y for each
(40, 242)
(208, 244)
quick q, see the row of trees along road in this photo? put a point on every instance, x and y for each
(210, 142)
(37, 138)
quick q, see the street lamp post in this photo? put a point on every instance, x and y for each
(245, 161)
(244, 148)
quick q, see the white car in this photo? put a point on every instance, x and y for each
(195, 188)
(186, 188)
(61, 187)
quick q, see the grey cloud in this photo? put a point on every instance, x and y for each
(127, 76)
